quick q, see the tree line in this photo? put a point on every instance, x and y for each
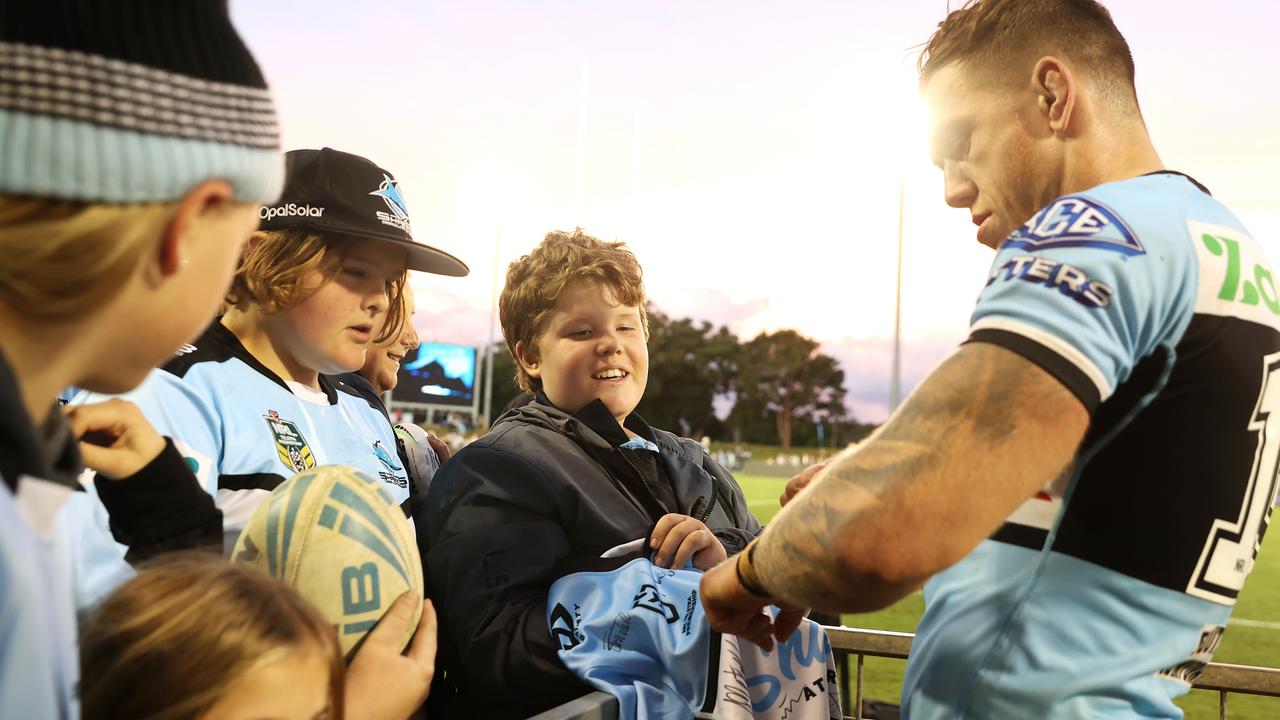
(782, 391)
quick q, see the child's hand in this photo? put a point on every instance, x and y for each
(676, 538)
(115, 439)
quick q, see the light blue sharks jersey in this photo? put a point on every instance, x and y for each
(639, 632)
(38, 661)
(243, 431)
(1106, 594)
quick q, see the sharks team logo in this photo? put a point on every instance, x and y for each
(387, 459)
(392, 472)
(291, 447)
(389, 191)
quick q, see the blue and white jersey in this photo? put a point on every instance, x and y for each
(1106, 594)
(243, 431)
(639, 632)
(38, 661)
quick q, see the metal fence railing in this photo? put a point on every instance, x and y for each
(860, 644)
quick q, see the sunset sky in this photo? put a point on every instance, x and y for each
(750, 153)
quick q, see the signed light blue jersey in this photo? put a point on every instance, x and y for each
(1106, 594)
(244, 431)
(639, 632)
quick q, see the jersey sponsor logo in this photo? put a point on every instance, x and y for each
(186, 349)
(389, 191)
(1068, 279)
(1076, 221)
(801, 674)
(289, 210)
(565, 626)
(291, 447)
(1235, 278)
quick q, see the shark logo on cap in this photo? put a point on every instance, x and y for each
(389, 191)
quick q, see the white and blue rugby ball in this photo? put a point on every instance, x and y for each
(334, 534)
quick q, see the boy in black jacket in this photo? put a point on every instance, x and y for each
(574, 472)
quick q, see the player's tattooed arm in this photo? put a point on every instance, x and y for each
(982, 434)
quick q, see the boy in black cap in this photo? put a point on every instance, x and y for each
(250, 402)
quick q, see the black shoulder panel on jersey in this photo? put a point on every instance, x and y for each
(250, 481)
(356, 385)
(1051, 362)
(1146, 502)
(1021, 535)
(218, 344)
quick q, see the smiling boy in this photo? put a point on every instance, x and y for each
(572, 473)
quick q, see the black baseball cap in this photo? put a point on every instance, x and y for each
(333, 191)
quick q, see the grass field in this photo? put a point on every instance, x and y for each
(1252, 638)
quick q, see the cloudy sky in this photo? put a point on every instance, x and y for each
(749, 152)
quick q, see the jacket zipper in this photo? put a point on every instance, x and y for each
(710, 505)
(640, 475)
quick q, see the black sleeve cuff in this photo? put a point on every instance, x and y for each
(1066, 372)
(161, 508)
(733, 539)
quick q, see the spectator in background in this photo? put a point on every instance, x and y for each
(420, 452)
(381, 371)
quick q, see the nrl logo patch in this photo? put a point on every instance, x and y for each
(291, 447)
(1076, 221)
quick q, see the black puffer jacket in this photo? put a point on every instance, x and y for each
(544, 486)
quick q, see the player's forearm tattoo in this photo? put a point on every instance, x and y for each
(796, 559)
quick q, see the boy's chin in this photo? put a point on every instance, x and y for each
(620, 410)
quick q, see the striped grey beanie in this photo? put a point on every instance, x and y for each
(124, 101)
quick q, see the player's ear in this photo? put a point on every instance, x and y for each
(1055, 87)
(206, 198)
(528, 359)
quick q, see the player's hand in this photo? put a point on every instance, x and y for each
(800, 482)
(115, 439)
(441, 447)
(381, 683)
(732, 609)
(676, 538)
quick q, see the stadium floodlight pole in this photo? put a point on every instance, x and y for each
(895, 382)
(493, 316)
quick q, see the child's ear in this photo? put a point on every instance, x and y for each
(527, 360)
(209, 196)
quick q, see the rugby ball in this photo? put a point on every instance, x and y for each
(338, 537)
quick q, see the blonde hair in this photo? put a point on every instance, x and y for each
(1002, 37)
(169, 643)
(273, 269)
(535, 281)
(64, 259)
